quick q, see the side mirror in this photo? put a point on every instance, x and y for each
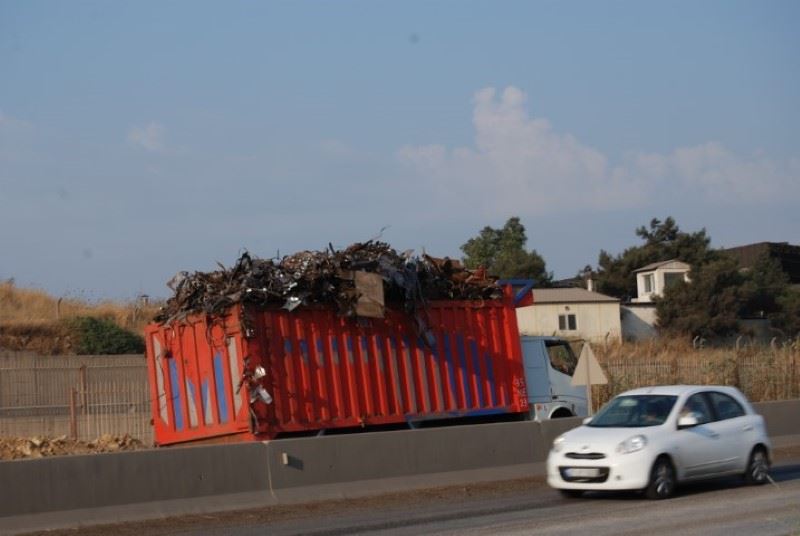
(587, 420)
(687, 421)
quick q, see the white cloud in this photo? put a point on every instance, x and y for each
(149, 137)
(520, 164)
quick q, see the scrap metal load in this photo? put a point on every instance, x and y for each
(357, 338)
(357, 281)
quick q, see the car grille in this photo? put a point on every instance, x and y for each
(585, 455)
(601, 474)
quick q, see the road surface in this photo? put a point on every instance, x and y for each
(724, 507)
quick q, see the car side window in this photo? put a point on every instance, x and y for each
(726, 407)
(698, 405)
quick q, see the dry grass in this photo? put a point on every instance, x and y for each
(34, 321)
(761, 372)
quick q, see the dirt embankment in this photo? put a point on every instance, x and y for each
(14, 448)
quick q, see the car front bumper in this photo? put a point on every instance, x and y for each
(616, 472)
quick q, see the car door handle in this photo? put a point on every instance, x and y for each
(747, 428)
(713, 435)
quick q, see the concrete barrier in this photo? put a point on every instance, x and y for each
(57, 492)
(31, 487)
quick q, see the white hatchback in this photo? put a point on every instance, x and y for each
(651, 439)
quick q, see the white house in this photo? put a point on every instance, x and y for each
(571, 313)
(639, 316)
(651, 280)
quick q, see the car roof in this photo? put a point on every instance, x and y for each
(678, 390)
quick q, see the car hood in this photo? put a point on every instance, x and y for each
(589, 439)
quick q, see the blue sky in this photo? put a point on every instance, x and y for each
(138, 139)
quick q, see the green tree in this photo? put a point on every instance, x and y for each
(95, 336)
(709, 305)
(662, 241)
(787, 318)
(766, 284)
(502, 252)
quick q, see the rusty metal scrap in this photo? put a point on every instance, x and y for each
(326, 277)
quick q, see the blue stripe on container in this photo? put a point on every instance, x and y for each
(222, 396)
(448, 360)
(177, 405)
(287, 346)
(365, 348)
(304, 349)
(490, 375)
(204, 392)
(476, 367)
(350, 356)
(320, 353)
(336, 357)
(462, 358)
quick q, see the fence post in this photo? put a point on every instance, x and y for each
(84, 389)
(73, 417)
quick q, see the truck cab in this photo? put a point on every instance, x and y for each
(549, 365)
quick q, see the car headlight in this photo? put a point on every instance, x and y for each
(632, 444)
(558, 443)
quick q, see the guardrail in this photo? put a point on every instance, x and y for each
(66, 491)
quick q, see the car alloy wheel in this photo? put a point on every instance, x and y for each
(757, 468)
(662, 480)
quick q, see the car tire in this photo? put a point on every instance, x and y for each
(662, 480)
(757, 472)
(571, 493)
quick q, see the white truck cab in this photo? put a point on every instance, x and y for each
(549, 366)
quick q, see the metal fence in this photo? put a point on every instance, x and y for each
(83, 397)
(88, 396)
(762, 373)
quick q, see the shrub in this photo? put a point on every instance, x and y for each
(103, 336)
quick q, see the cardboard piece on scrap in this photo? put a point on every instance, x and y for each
(369, 288)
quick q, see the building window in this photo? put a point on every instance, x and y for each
(671, 278)
(567, 323)
(648, 283)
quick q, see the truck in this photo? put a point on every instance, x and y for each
(254, 373)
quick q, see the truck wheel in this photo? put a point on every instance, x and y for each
(561, 414)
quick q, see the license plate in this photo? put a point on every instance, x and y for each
(583, 472)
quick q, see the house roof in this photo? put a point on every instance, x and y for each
(787, 254)
(569, 295)
(672, 263)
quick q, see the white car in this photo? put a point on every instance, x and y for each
(653, 438)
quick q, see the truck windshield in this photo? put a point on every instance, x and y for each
(634, 411)
(561, 357)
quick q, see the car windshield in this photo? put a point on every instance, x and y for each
(634, 411)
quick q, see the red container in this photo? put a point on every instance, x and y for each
(324, 372)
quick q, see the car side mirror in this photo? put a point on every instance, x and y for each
(687, 421)
(587, 420)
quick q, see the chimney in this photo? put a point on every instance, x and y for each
(590, 284)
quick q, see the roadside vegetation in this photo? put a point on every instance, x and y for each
(33, 321)
(710, 306)
(762, 372)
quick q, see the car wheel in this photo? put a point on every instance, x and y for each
(757, 467)
(571, 493)
(662, 480)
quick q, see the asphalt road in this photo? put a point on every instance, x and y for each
(725, 508)
(722, 507)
